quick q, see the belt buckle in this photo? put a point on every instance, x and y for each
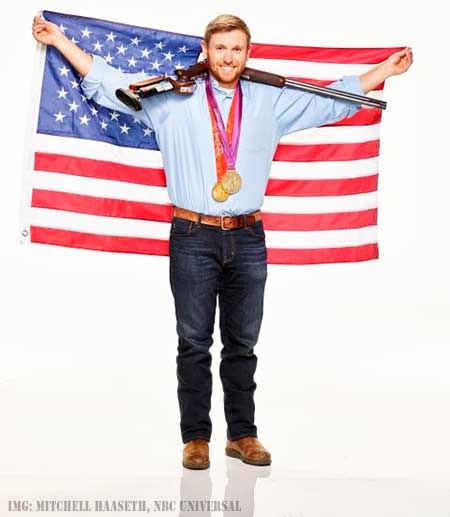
(221, 222)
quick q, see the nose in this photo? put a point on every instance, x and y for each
(228, 56)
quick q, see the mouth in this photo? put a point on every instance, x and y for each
(227, 70)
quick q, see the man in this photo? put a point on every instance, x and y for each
(217, 146)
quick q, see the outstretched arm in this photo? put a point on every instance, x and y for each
(396, 64)
(49, 33)
(100, 80)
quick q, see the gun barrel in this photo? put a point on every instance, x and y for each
(337, 94)
(259, 76)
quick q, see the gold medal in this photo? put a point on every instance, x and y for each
(218, 193)
(231, 181)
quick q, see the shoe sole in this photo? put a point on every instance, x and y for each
(233, 453)
(194, 466)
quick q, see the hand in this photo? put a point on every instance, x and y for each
(399, 62)
(45, 32)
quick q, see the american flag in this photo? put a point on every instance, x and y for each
(94, 177)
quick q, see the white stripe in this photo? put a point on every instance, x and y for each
(307, 69)
(97, 150)
(101, 225)
(325, 170)
(319, 204)
(99, 187)
(132, 192)
(334, 135)
(321, 239)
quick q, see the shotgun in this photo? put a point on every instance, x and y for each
(185, 84)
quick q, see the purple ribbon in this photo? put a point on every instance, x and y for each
(230, 151)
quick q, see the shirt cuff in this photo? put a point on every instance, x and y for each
(94, 77)
(352, 84)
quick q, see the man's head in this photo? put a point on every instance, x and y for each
(226, 46)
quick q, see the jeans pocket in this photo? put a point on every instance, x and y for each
(182, 227)
(256, 230)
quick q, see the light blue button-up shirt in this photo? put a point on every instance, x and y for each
(183, 130)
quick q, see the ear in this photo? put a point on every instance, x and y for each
(204, 48)
(249, 49)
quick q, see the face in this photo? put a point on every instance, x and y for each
(227, 54)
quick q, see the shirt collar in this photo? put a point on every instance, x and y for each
(227, 92)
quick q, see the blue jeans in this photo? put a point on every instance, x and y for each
(206, 261)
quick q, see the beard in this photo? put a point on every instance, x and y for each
(226, 80)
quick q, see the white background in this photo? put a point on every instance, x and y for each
(353, 368)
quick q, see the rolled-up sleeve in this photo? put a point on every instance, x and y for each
(102, 81)
(296, 109)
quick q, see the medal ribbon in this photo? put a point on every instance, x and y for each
(226, 142)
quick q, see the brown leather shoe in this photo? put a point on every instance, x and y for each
(248, 449)
(196, 454)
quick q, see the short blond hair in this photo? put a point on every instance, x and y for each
(226, 23)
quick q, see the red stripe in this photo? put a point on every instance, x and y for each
(146, 246)
(88, 167)
(163, 213)
(360, 56)
(316, 222)
(363, 117)
(322, 255)
(92, 241)
(335, 187)
(101, 206)
(326, 152)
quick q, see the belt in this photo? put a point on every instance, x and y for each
(226, 222)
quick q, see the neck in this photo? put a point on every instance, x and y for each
(230, 85)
